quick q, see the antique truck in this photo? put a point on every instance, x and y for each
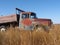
(24, 20)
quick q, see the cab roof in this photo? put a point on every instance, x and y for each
(28, 13)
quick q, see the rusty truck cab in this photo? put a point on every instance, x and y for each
(25, 19)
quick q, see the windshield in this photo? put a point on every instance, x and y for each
(31, 16)
(25, 16)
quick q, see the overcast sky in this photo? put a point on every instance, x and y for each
(43, 8)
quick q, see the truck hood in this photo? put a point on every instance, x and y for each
(41, 21)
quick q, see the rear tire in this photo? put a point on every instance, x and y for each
(2, 28)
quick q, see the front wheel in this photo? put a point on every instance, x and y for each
(42, 27)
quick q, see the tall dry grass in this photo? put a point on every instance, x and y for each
(14, 36)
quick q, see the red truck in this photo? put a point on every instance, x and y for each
(24, 20)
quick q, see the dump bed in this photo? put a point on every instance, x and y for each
(10, 18)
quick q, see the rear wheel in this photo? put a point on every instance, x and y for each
(2, 28)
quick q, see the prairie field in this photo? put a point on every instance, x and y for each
(14, 36)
